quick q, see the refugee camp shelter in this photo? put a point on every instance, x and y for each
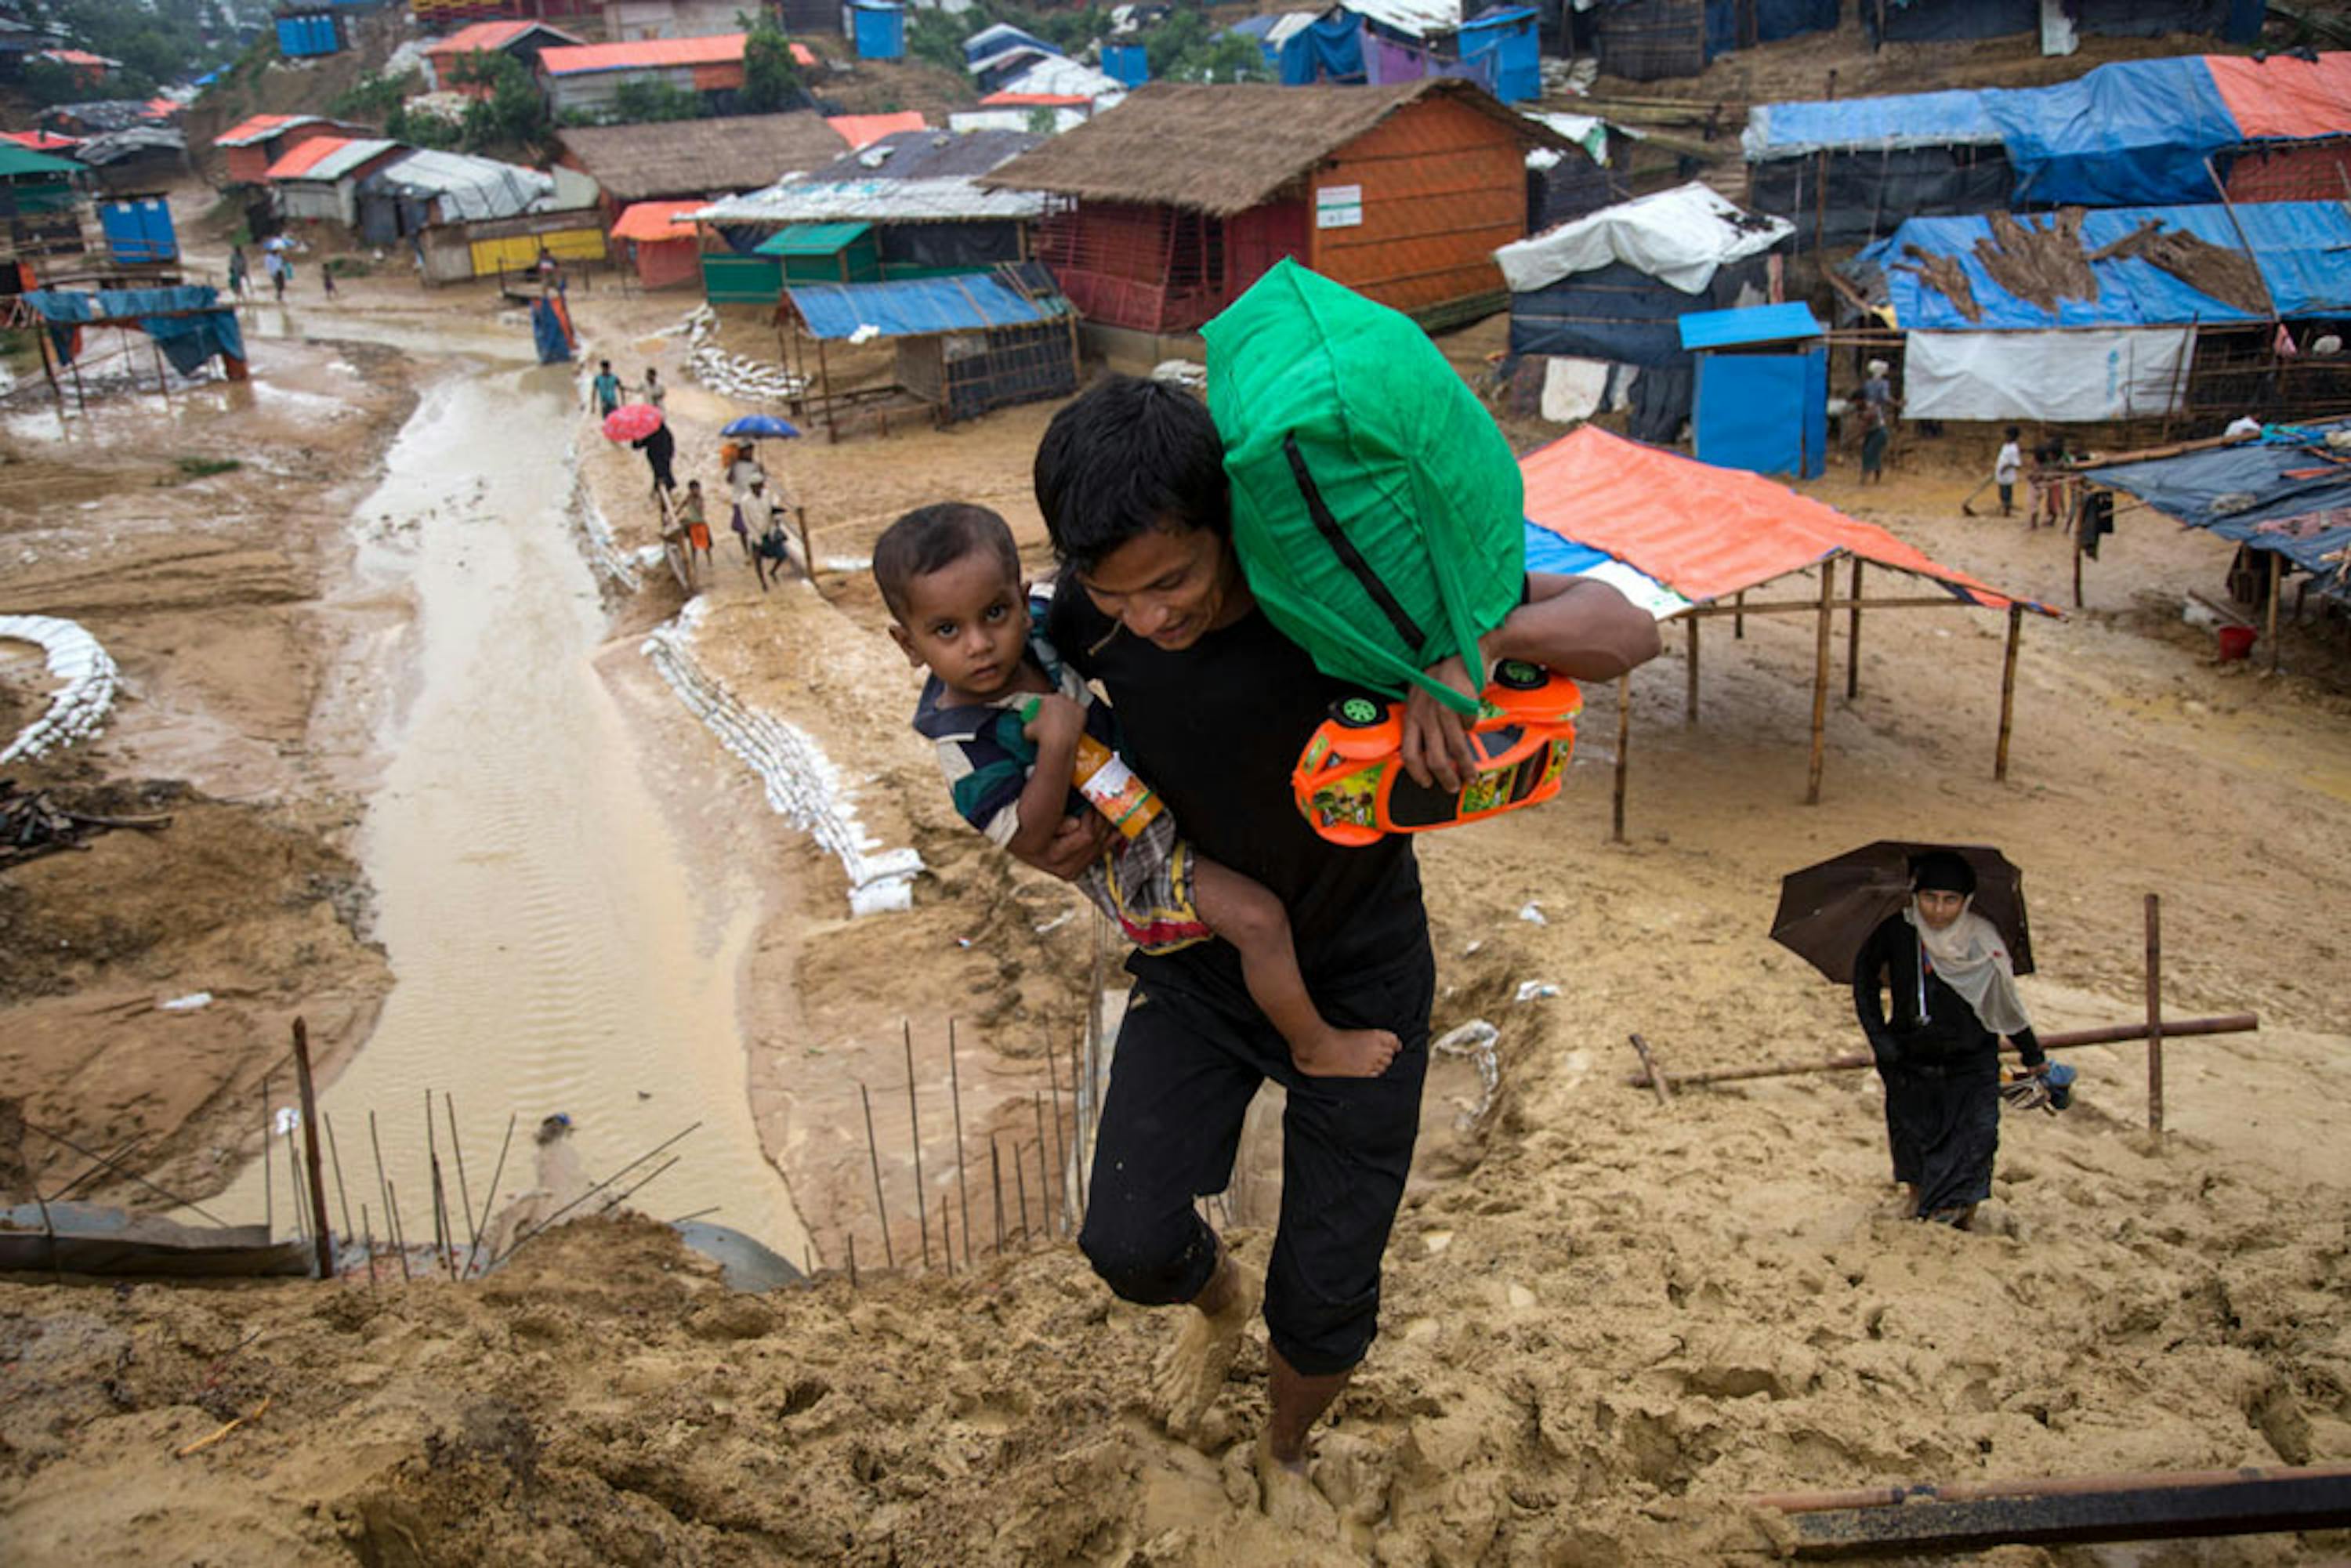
(964, 344)
(2112, 313)
(1047, 112)
(144, 158)
(1168, 206)
(696, 157)
(41, 205)
(587, 78)
(1690, 542)
(1594, 171)
(466, 216)
(662, 246)
(917, 191)
(318, 181)
(187, 325)
(522, 40)
(1643, 40)
(1847, 170)
(1761, 400)
(825, 253)
(252, 145)
(2284, 498)
(1608, 290)
(1942, 21)
(447, 15)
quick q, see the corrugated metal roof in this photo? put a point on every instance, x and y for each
(873, 200)
(656, 221)
(1702, 531)
(329, 156)
(644, 54)
(482, 36)
(262, 126)
(469, 187)
(1755, 324)
(926, 155)
(1037, 99)
(860, 130)
(917, 307)
(812, 239)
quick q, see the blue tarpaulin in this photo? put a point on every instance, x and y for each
(547, 333)
(1751, 324)
(2287, 493)
(2135, 132)
(2302, 250)
(1330, 50)
(917, 307)
(1767, 413)
(1950, 119)
(1509, 35)
(163, 314)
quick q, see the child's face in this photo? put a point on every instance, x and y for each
(969, 621)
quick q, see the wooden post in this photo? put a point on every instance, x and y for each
(2277, 577)
(1738, 616)
(1853, 637)
(1657, 1074)
(874, 1154)
(324, 1232)
(1820, 680)
(807, 556)
(2155, 1014)
(962, 1185)
(2077, 566)
(915, 1119)
(1690, 703)
(1624, 743)
(824, 385)
(2008, 692)
(1044, 1178)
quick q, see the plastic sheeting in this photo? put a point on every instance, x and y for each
(2284, 97)
(187, 339)
(2300, 249)
(1870, 193)
(1678, 237)
(1931, 21)
(1331, 50)
(1622, 314)
(2306, 518)
(465, 188)
(2061, 377)
(915, 308)
(1950, 118)
(2135, 132)
(1767, 413)
(1507, 39)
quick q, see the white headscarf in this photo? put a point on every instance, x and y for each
(1972, 957)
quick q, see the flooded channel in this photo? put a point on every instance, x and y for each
(552, 950)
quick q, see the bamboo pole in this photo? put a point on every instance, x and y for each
(995, 1180)
(490, 1202)
(1812, 606)
(1738, 616)
(2109, 1034)
(922, 1222)
(335, 1158)
(1044, 1178)
(1656, 1073)
(399, 1233)
(852, 1239)
(268, 1194)
(1077, 1133)
(1021, 1192)
(874, 1154)
(2155, 1014)
(2052, 1486)
(323, 1233)
(1689, 699)
(962, 1186)
(1853, 637)
(1820, 684)
(1623, 749)
(2277, 580)
(465, 1192)
(2008, 692)
(383, 1188)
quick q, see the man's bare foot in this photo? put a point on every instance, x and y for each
(1346, 1053)
(1288, 1496)
(1191, 1372)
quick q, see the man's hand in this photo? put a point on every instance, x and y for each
(1076, 845)
(1435, 738)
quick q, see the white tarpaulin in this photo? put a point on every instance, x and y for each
(1573, 389)
(1678, 237)
(2057, 376)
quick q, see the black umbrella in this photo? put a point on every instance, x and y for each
(1827, 911)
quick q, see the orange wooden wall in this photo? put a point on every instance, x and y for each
(1442, 186)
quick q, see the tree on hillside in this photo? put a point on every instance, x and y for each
(513, 115)
(771, 79)
(158, 44)
(637, 102)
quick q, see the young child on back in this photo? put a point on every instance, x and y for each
(1007, 718)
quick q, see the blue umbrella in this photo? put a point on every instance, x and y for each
(760, 425)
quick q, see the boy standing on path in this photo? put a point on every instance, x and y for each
(605, 387)
(2006, 467)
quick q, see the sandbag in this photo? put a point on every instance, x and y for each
(1377, 511)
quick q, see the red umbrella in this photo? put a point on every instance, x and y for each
(633, 422)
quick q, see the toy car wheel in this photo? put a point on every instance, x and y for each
(1360, 713)
(1518, 676)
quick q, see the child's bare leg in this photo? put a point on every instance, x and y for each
(1246, 914)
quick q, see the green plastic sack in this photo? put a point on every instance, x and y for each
(1376, 510)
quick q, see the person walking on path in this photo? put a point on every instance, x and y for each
(605, 389)
(2006, 467)
(1954, 990)
(1214, 704)
(659, 447)
(1878, 409)
(239, 270)
(697, 521)
(655, 393)
(326, 278)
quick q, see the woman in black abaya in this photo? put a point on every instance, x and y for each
(1954, 996)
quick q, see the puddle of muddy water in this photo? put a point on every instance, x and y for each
(551, 948)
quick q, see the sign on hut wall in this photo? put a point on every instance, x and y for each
(1339, 207)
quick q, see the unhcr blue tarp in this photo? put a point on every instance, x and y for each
(2302, 250)
(1330, 50)
(917, 307)
(2133, 133)
(2287, 491)
(1950, 118)
(188, 323)
(1509, 35)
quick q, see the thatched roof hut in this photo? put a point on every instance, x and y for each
(699, 157)
(1170, 204)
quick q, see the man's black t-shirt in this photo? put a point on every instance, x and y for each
(1215, 729)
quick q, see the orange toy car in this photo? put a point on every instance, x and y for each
(1352, 786)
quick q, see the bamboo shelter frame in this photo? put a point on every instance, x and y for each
(1825, 606)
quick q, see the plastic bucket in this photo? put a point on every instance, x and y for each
(2236, 642)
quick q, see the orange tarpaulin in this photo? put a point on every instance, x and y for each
(862, 130)
(299, 160)
(655, 221)
(2282, 96)
(1706, 532)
